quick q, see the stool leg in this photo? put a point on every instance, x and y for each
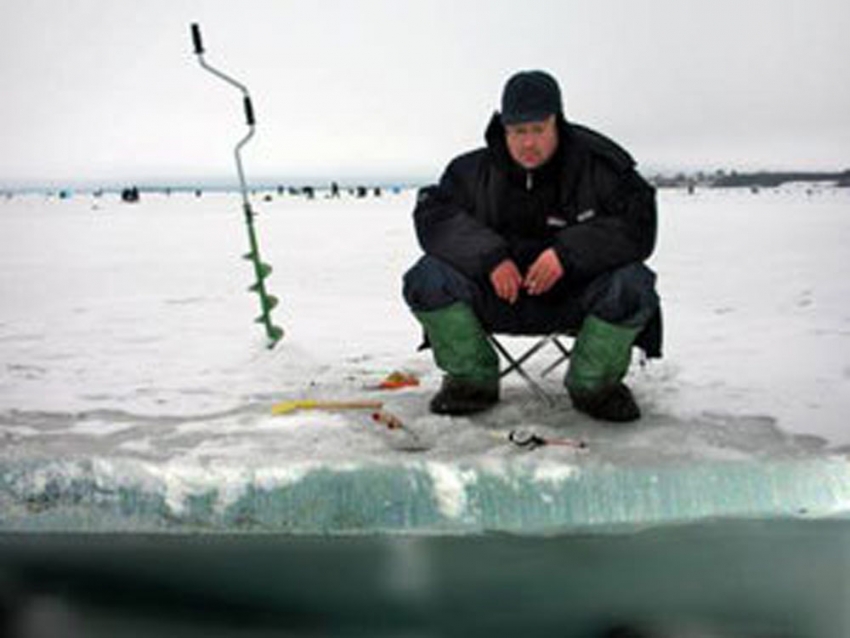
(515, 365)
(565, 355)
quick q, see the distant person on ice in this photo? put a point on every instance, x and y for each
(544, 230)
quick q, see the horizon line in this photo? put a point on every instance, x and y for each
(383, 180)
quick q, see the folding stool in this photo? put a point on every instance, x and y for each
(515, 364)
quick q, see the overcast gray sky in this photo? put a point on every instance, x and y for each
(109, 90)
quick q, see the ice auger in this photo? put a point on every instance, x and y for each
(261, 269)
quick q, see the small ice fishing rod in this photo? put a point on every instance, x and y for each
(531, 440)
(261, 270)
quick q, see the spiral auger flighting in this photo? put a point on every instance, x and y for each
(261, 269)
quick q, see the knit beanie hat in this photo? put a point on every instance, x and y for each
(530, 96)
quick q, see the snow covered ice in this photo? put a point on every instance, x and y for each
(136, 393)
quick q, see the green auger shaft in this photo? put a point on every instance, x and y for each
(261, 270)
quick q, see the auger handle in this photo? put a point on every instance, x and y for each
(198, 43)
(249, 111)
(196, 38)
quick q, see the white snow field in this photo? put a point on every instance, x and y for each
(136, 393)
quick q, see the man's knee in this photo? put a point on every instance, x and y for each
(432, 283)
(626, 295)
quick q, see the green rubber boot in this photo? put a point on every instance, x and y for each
(599, 361)
(462, 351)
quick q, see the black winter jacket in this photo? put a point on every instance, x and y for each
(587, 202)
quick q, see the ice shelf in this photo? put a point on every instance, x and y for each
(415, 497)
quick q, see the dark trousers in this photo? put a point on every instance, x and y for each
(625, 296)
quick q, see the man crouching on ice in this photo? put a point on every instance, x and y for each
(543, 231)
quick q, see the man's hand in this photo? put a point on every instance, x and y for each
(507, 281)
(544, 273)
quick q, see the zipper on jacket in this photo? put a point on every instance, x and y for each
(529, 180)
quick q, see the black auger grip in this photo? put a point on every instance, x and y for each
(196, 38)
(249, 111)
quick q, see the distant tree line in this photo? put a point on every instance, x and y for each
(753, 180)
(766, 179)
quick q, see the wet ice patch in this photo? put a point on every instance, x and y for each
(19, 430)
(99, 427)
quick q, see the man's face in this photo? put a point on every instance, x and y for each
(532, 144)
